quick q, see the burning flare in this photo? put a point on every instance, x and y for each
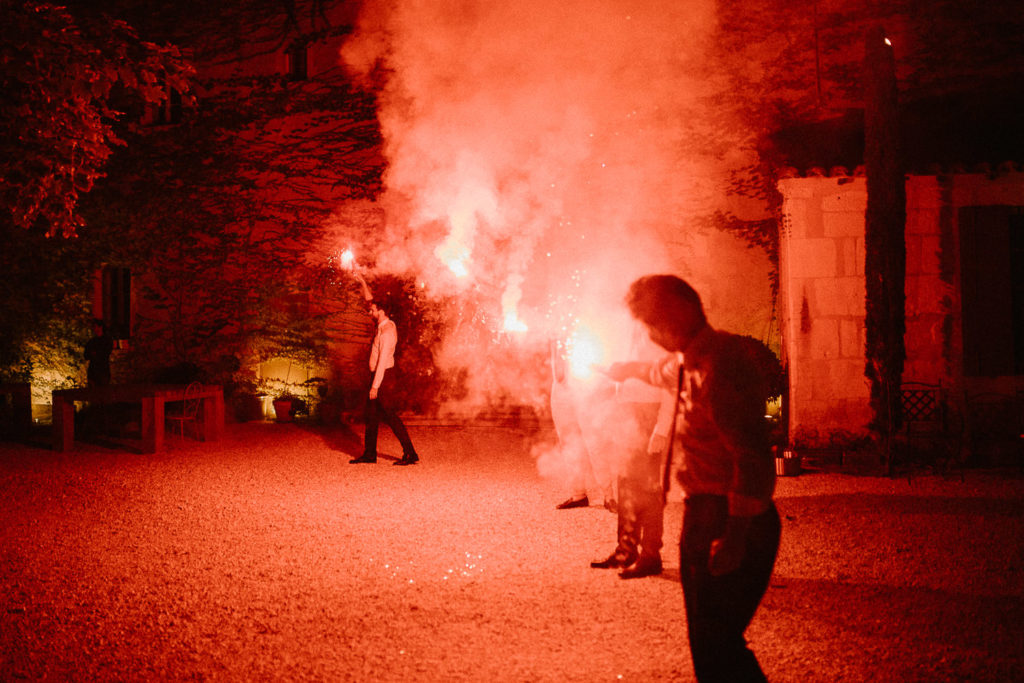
(347, 259)
(586, 350)
(454, 255)
(510, 304)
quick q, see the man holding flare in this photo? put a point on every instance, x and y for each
(730, 532)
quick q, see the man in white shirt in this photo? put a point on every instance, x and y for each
(378, 405)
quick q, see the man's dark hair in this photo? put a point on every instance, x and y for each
(666, 301)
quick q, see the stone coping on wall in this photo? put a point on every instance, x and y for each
(1003, 168)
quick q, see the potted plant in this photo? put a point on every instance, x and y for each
(315, 390)
(245, 399)
(787, 463)
(284, 406)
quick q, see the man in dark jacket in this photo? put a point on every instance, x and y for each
(731, 529)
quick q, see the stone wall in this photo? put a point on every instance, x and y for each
(822, 293)
(821, 303)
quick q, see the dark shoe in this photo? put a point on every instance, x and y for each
(645, 566)
(614, 561)
(573, 503)
(364, 458)
(407, 460)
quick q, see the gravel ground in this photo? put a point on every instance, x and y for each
(266, 556)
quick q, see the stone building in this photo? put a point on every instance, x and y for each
(964, 278)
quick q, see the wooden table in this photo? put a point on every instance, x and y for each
(153, 397)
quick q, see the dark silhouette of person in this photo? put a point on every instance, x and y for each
(97, 354)
(641, 502)
(649, 411)
(731, 529)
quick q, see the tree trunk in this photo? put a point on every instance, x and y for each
(884, 238)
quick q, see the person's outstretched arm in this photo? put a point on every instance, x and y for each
(362, 281)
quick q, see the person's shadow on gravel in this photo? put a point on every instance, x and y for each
(340, 437)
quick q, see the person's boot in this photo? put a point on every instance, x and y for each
(617, 559)
(645, 566)
(368, 458)
(573, 503)
(407, 459)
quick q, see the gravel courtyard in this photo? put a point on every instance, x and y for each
(266, 556)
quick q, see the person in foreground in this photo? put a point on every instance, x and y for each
(731, 530)
(382, 384)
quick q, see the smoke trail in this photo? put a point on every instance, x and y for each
(535, 148)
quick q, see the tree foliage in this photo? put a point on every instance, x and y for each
(783, 68)
(44, 311)
(60, 75)
(230, 217)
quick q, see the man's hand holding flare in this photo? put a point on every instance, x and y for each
(362, 282)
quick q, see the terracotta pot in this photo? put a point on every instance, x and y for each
(788, 465)
(283, 410)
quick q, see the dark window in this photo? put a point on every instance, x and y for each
(168, 111)
(117, 301)
(174, 107)
(992, 290)
(1017, 287)
(298, 67)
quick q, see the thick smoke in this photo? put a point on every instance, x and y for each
(537, 150)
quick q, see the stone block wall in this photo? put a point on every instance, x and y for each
(822, 292)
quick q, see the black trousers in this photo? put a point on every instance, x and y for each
(641, 503)
(719, 608)
(380, 409)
